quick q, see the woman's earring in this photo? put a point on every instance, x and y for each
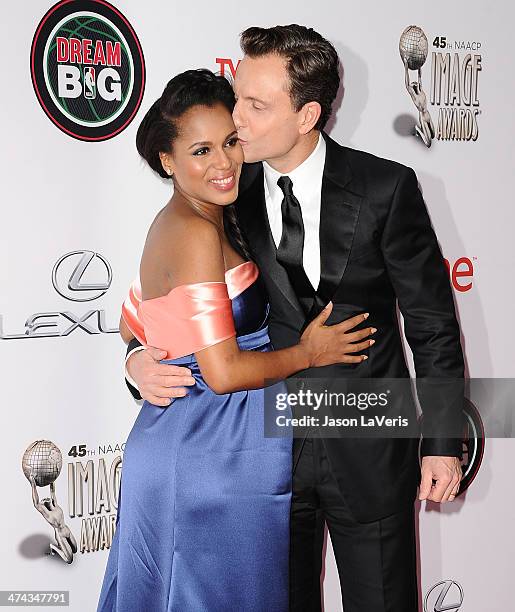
(169, 170)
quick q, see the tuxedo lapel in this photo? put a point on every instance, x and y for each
(253, 218)
(339, 214)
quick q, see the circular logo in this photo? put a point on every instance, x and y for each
(87, 69)
(446, 595)
(473, 444)
(82, 276)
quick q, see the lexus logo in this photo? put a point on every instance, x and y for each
(82, 276)
(445, 596)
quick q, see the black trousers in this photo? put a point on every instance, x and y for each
(376, 561)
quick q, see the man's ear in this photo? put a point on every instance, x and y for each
(309, 115)
(166, 162)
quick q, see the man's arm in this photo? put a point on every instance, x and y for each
(418, 273)
(133, 346)
(148, 379)
(421, 282)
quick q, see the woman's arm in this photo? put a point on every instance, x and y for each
(186, 251)
(226, 368)
(125, 332)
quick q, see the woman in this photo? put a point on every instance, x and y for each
(203, 515)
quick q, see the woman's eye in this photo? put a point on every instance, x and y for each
(232, 141)
(202, 151)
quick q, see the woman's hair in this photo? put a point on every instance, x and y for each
(160, 127)
(311, 63)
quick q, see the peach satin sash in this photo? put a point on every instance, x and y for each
(190, 317)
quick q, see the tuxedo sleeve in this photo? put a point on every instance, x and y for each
(133, 344)
(421, 282)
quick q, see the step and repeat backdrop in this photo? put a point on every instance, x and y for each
(77, 202)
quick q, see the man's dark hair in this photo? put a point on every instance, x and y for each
(311, 63)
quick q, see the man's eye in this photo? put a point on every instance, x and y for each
(202, 151)
(257, 107)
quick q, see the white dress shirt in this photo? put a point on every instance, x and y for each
(307, 188)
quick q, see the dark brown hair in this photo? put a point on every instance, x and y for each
(159, 128)
(311, 63)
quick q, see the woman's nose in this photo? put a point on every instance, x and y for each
(222, 160)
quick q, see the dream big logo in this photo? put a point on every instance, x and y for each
(87, 69)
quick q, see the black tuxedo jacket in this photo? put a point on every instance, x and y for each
(377, 249)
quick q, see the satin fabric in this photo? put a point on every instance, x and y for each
(189, 317)
(203, 516)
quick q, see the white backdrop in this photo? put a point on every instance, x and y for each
(61, 195)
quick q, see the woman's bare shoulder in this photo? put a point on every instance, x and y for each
(181, 247)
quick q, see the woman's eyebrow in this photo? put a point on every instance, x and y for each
(205, 143)
(196, 144)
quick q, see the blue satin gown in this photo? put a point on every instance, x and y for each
(203, 514)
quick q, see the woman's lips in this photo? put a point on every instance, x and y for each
(224, 184)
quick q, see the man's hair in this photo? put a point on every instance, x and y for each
(311, 63)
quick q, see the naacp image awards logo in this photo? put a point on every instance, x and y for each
(87, 69)
(449, 86)
(88, 493)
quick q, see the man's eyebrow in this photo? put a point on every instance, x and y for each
(254, 99)
(207, 142)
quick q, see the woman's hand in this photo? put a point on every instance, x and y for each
(328, 344)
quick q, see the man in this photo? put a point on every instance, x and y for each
(362, 237)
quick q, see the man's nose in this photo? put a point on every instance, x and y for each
(237, 116)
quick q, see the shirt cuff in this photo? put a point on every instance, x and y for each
(127, 375)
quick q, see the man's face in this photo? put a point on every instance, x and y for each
(267, 124)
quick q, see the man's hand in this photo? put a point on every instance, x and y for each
(447, 473)
(158, 382)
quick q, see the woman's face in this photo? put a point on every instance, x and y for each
(206, 157)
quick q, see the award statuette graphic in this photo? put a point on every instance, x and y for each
(413, 49)
(41, 464)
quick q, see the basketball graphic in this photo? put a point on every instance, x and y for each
(87, 69)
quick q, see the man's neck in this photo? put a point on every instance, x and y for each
(297, 155)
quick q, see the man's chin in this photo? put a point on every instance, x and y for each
(251, 159)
